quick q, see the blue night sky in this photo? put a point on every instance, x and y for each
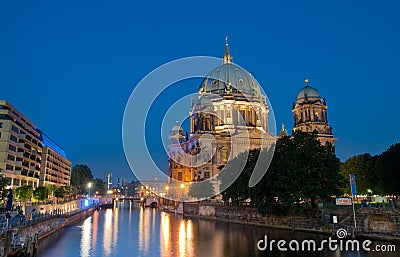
(70, 66)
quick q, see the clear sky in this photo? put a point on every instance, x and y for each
(70, 66)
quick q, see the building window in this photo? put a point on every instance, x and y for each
(224, 155)
(9, 167)
(16, 182)
(10, 157)
(12, 148)
(13, 138)
(1, 124)
(15, 129)
(206, 174)
(180, 176)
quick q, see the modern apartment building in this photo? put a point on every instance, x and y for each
(25, 152)
(55, 167)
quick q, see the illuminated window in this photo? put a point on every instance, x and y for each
(224, 155)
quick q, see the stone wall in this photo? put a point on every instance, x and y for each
(41, 229)
(251, 215)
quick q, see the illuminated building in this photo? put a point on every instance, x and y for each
(311, 115)
(231, 107)
(27, 156)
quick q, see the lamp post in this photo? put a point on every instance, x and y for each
(89, 185)
(166, 195)
(183, 188)
(370, 195)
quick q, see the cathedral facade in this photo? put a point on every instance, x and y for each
(229, 115)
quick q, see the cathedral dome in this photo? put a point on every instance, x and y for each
(177, 128)
(308, 92)
(230, 79)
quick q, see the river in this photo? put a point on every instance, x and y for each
(129, 231)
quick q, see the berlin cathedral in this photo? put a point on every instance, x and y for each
(231, 110)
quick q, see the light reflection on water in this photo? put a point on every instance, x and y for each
(133, 231)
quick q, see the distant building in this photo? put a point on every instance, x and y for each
(108, 180)
(27, 156)
(138, 189)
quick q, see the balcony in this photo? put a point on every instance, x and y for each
(25, 146)
(5, 111)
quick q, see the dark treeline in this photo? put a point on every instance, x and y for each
(303, 171)
(379, 174)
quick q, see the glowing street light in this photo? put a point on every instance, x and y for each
(89, 185)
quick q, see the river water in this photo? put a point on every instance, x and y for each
(129, 231)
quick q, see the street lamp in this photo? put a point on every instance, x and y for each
(89, 185)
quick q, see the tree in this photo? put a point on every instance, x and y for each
(264, 196)
(99, 186)
(387, 169)
(201, 190)
(41, 193)
(3, 187)
(238, 192)
(80, 176)
(60, 192)
(23, 193)
(363, 167)
(51, 188)
(307, 171)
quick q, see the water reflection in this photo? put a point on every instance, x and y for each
(107, 231)
(165, 238)
(132, 231)
(86, 237)
(95, 228)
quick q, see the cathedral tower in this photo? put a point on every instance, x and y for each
(310, 114)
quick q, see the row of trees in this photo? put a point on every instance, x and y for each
(302, 171)
(81, 176)
(41, 193)
(379, 174)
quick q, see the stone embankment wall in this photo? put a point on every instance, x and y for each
(40, 229)
(249, 215)
(369, 220)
